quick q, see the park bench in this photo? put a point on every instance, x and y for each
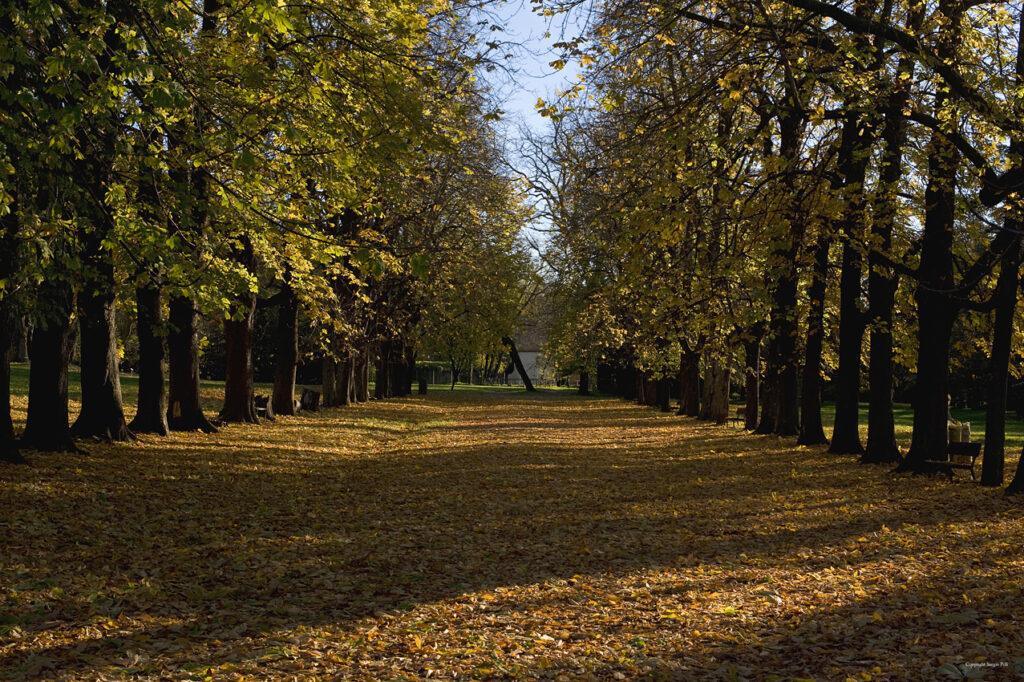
(957, 456)
(263, 407)
(739, 417)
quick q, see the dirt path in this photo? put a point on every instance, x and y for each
(492, 535)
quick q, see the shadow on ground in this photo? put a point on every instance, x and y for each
(179, 555)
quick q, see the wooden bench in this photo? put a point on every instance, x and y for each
(740, 417)
(264, 408)
(957, 455)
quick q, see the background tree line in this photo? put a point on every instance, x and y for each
(179, 170)
(801, 189)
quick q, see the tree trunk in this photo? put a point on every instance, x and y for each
(664, 393)
(882, 283)
(931, 389)
(651, 391)
(151, 406)
(787, 414)
(1016, 486)
(47, 426)
(455, 371)
(343, 380)
(184, 405)
(518, 363)
(496, 367)
(993, 456)
(811, 430)
(689, 382)
(752, 358)
(239, 391)
(239, 394)
(362, 375)
(852, 162)
(935, 308)
(382, 384)
(287, 356)
(710, 376)
(882, 448)
(584, 388)
(395, 378)
(102, 414)
(329, 385)
(769, 408)
(846, 428)
(21, 340)
(721, 378)
(151, 410)
(625, 381)
(8, 445)
(398, 369)
(780, 414)
(9, 223)
(410, 369)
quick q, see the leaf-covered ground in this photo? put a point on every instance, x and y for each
(497, 535)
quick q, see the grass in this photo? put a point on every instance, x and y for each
(500, 388)
(212, 395)
(212, 392)
(904, 415)
(498, 535)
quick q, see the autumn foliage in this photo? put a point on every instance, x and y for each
(493, 535)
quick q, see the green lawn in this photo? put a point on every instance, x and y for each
(212, 390)
(129, 383)
(905, 420)
(498, 388)
(904, 412)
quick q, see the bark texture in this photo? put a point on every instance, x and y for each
(184, 405)
(780, 413)
(102, 415)
(518, 363)
(361, 376)
(812, 432)
(853, 161)
(752, 376)
(881, 447)
(287, 357)
(239, 393)
(8, 445)
(689, 382)
(151, 412)
(993, 456)
(47, 426)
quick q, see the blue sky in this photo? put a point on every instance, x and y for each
(533, 77)
(530, 77)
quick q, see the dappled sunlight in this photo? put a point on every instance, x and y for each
(495, 535)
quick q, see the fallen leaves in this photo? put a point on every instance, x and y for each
(476, 536)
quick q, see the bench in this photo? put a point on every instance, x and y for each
(264, 408)
(740, 417)
(957, 455)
